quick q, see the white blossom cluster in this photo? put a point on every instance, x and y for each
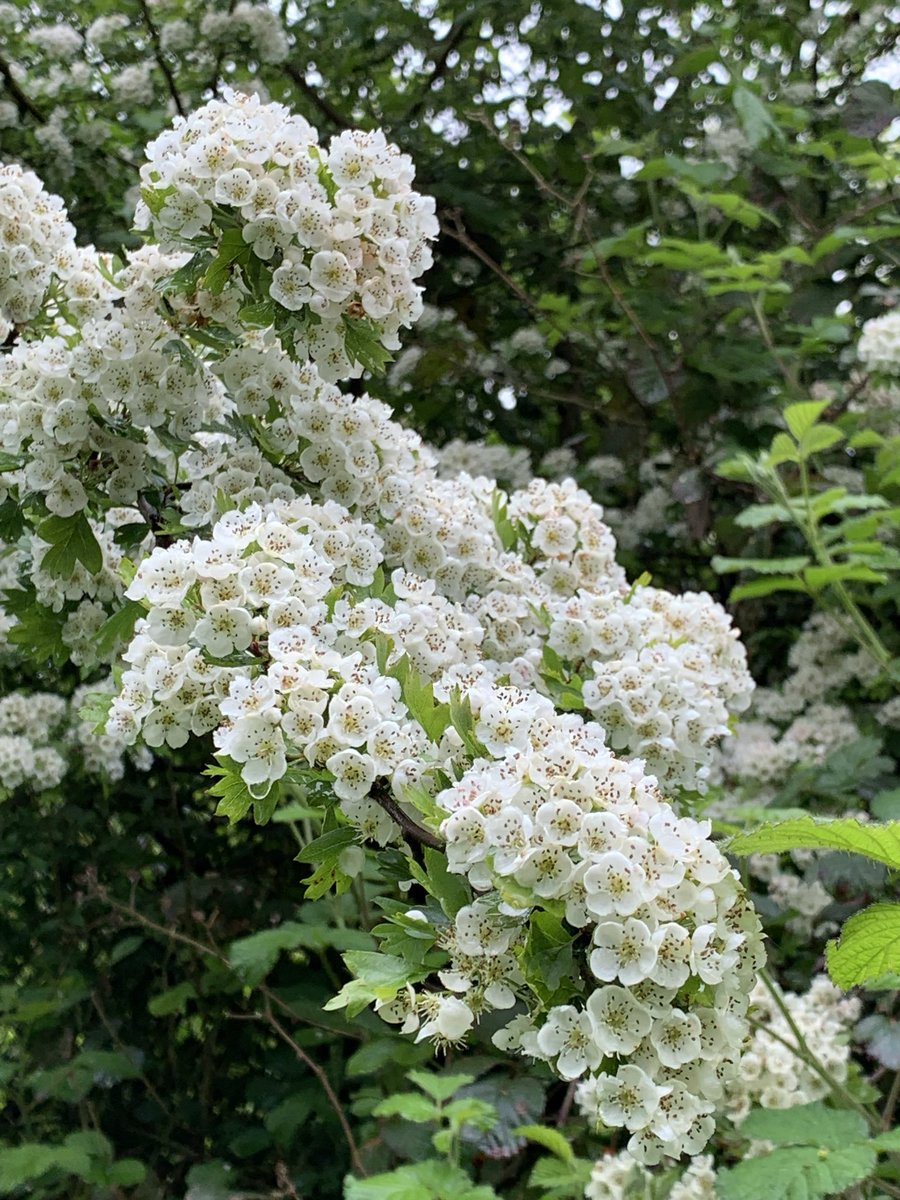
(669, 939)
(621, 1177)
(879, 344)
(509, 465)
(324, 605)
(760, 753)
(70, 405)
(35, 234)
(771, 1075)
(820, 665)
(792, 884)
(254, 23)
(338, 233)
(30, 727)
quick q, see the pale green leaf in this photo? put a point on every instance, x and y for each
(868, 947)
(805, 1125)
(873, 839)
(796, 1173)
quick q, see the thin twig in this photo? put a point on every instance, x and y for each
(24, 104)
(161, 59)
(413, 832)
(322, 104)
(455, 35)
(270, 1019)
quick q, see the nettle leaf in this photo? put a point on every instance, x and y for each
(797, 1173)
(868, 947)
(806, 1125)
(72, 541)
(881, 842)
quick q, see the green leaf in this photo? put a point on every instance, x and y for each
(72, 541)
(802, 417)
(765, 587)
(452, 891)
(362, 342)
(754, 115)
(254, 957)
(806, 1125)
(117, 630)
(548, 1137)
(819, 438)
(234, 797)
(20, 1164)
(433, 1179)
(439, 1087)
(378, 977)
(764, 566)
(868, 947)
(817, 578)
(797, 1173)
(878, 841)
(411, 1106)
(172, 1001)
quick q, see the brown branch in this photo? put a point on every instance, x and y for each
(269, 1017)
(454, 227)
(321, 102)
(23, 103)
(160, 58)
(412, 831)
(455, 35)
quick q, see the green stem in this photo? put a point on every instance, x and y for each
(865, 634)
(803, 1052)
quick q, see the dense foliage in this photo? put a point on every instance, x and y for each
(383, 817)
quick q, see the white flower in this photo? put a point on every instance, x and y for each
(623, 951)
(620, 1021)
(628, 1098)
(569, 1034)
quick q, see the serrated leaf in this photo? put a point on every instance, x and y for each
(878, 841)
(439, 1087)
(796, 1173)
(869, 946)
(548, 1137)
(801, 417)
(805, 1125)
(72, 541)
